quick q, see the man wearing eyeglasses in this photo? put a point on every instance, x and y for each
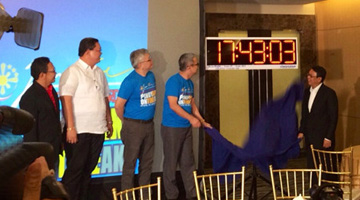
(42, 101)
(135, 106)
(319, 114)
(84, 93)
(180, 115)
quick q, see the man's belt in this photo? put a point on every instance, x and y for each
(139, 120)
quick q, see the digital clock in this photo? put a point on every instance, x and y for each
(251, 53)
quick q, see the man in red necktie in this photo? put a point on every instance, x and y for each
(42, 101)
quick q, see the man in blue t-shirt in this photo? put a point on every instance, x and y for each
(135, 106)
(180, 114)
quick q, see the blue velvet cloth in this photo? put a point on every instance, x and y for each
(272, 138)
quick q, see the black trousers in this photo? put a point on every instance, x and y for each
(81, 160)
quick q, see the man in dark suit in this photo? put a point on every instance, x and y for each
(319, 114)
(42, 101)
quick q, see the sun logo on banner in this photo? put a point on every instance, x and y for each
(8, 77)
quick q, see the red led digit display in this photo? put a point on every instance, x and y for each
(251, 53)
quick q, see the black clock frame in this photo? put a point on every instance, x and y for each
(251, 53)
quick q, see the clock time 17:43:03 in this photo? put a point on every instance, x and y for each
(251, 52)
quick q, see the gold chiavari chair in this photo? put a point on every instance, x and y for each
(336, 168)
(139, 193)
(219, 186)
(290, 183)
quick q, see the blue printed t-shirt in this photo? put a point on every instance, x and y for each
(183, 89)
(140, 95)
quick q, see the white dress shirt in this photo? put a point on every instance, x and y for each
(313, 92)
(88, 88)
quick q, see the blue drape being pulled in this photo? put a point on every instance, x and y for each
(272, 138)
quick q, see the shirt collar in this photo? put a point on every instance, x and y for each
(84, 65)
(316, 89)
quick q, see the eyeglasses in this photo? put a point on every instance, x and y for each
(98, 50)
(53, 71)
(149, 60)
(197, 64)
(311, 76)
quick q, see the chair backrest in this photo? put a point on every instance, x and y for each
(139, 193)
(219, 186)
(290, 183)
(336, 167)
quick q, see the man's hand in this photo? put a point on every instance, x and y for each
(207, 125)
(327, 143)
(110, 130)
(195, 122)
(300, 136)
(71, 136)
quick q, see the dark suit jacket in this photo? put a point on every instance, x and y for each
(47, 126)
(321, 122)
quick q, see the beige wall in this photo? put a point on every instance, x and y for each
(338, 42)
(173, 30)
(237, 8)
